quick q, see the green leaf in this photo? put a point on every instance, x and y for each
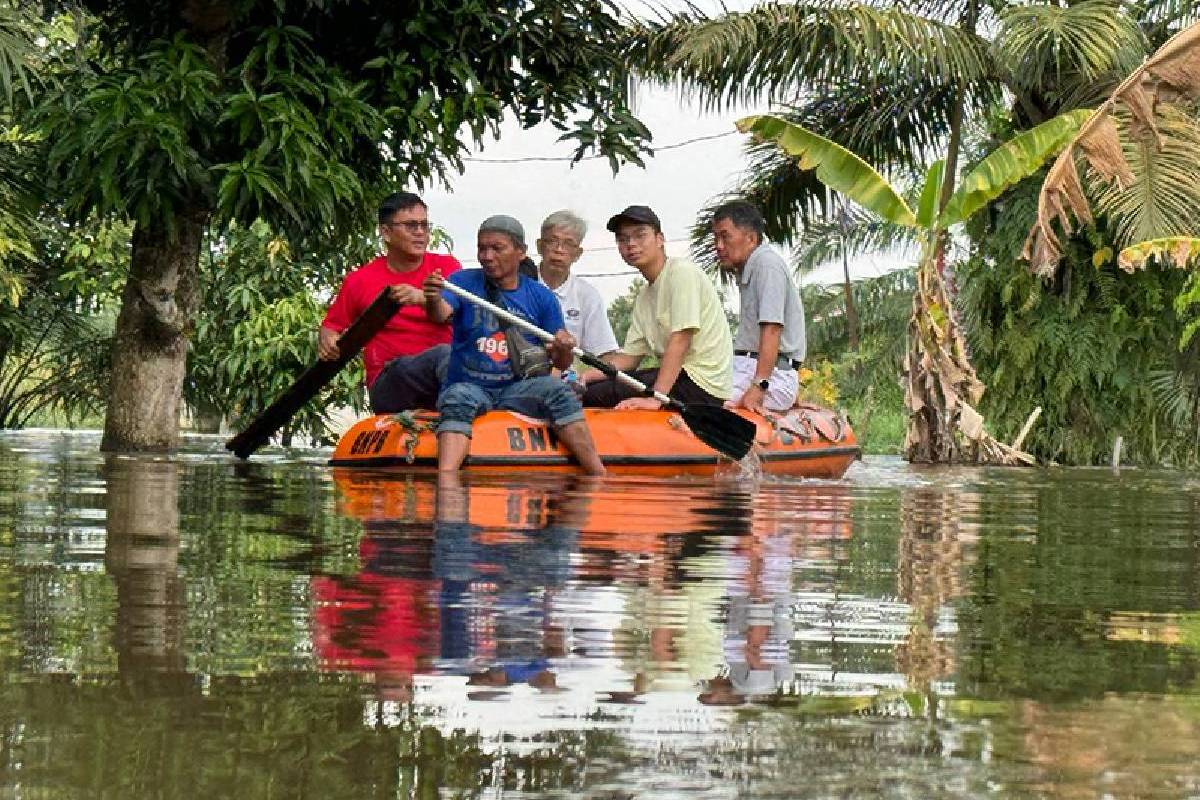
(927, 209)
(835, 166)
(1011, 162)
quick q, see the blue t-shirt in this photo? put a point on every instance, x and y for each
(479, 351)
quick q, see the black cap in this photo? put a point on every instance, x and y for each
(638, 215)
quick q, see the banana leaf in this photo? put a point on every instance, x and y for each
(1010, 163)
(835, 166)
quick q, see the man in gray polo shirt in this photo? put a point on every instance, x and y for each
(769, 344)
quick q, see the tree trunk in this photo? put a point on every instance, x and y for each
(158, 307)
(941, 389)
(848, 288)
(939, 377)
(851, 312)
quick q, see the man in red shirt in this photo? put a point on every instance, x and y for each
(406, 361)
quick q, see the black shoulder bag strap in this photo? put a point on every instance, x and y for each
(526, 360)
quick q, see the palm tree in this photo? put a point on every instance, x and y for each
(900, 83)
(1139, 151)
(16, 203)
(847, 233)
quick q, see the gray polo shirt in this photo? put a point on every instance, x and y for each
(768, 294)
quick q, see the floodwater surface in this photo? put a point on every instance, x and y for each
(192, 627)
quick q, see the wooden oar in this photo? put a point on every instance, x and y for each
(276, 415)
(718, 427)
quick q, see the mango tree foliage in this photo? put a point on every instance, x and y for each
(184, 116)
(256, 330)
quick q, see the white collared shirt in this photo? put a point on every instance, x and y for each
(585, 316)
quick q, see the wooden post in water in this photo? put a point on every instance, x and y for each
(1020, 440)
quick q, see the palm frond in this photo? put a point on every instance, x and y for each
(770, 51)
(1175, 395)
(1133, 128)
(850, 233)
(1163, 199)
(1178, 251)
(1050, 50)
(883, 305)
(902, 126)
(16, 42)
(1162, 18)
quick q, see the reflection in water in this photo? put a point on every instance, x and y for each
(280, 629)
(141, 554)
(929, 560)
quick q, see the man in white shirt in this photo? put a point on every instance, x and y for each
(560, 246)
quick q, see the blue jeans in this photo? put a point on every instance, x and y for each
(544, 398)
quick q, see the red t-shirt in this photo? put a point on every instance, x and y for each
(409, 331)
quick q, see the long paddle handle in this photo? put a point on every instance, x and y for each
(587, 358)
(305, 388)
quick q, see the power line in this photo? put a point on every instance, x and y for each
(654, 150)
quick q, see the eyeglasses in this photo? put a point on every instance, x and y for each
(566, 245)
(410, 225)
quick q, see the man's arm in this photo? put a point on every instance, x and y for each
(562, 350)
(342, 312)
(769, 334)
(669, 367)
(436, 307)
(671, 363)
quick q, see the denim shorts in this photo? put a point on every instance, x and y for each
(543, 398)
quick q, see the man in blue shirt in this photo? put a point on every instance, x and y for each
(482, 374)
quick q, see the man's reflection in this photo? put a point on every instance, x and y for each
(759, 627)
(467, 592)
(498, 583)
(383, 619)
(142, 555)
(671, 567)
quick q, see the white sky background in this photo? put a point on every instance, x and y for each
(676, 183)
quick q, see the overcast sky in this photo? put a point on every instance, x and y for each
(511, 176)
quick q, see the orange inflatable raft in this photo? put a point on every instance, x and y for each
(807, 442)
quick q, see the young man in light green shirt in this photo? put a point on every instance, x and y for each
(677, 318)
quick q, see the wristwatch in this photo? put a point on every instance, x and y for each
(764, 384)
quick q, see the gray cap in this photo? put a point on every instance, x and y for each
(502, 223)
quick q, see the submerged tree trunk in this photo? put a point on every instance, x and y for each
(141, 554)
(941, 389)
(158, 307)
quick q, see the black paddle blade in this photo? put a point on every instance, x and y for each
(263, 427)
(721, 429)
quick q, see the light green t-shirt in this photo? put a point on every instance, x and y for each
(683, 298)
